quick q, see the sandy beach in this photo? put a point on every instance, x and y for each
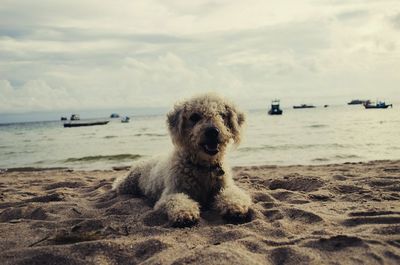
(328, 214)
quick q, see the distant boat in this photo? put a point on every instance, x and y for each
(357, 102)
(377, 105)
(64, 118)
(325, 106)
(80, 124)
(125, 119)
(304, 106)
(114, 115)
(75, 117)
(275, 110)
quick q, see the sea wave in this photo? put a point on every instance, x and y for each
(347, 156)
(110, 136)
(317, 126)
(322, 159)
(291, 147)
(336, 157)
(119, 157)
(151, 134)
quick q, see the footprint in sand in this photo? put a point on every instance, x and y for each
(148, 248)
(385, 184)
(371, 220)
(261, 197)
(288, 255)
(289, 197)
(305, 184)
(153, 218)
(273, 215)
(339, 177)
(373, 213)
(387, 230)
(32, 213)
(372, 217)
(216, 255)
(302, 216)
(53, 197)
(132, 207)
(349, 189)
(64, 184)
(268, 205)
(253, 245)
(43, 257)
(320, 196)
(222, 235)
(336, 243)
(392, 169)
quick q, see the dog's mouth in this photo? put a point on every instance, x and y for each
(211, 148)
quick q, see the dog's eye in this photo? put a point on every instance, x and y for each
(195, 117)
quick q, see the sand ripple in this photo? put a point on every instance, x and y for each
(334, 214)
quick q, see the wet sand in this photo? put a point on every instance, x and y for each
(331, 214)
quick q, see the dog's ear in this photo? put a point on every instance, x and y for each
(236, 120)
(241, 118)
(175, 123)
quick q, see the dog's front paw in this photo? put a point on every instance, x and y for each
(181, 210)
(185, 218)
(237, 213)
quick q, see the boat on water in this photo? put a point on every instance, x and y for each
(357, 102)
(114, 115)
(64, 118)
(304, 106)
(75, 117)
(377, 105)
(275, 109)
(84, 123)
(125, 119)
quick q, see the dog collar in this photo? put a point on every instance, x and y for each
(215, 170)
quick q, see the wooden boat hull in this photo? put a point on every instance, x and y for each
(275, 112)
(376, 107)
(303, 107)
(80, 124)
(357, 102)
(275, 109)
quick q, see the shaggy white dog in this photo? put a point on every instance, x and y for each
(194, 175)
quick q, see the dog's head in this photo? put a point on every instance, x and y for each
(204, 125)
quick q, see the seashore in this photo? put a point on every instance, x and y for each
(321, 214)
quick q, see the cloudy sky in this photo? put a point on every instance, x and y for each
(75, 54)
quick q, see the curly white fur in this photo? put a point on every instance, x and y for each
(192, 176)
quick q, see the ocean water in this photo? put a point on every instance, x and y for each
(306, 136)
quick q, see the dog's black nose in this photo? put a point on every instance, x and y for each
(212, 133)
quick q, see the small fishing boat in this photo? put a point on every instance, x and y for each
(75, 117)
(275, 109)
(304, 106)
(114, 115)
(83, 123)
(64, 118)
(357, 102)
(377, 105)
(125, 119)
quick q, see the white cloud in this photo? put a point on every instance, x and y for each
(94, 54)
